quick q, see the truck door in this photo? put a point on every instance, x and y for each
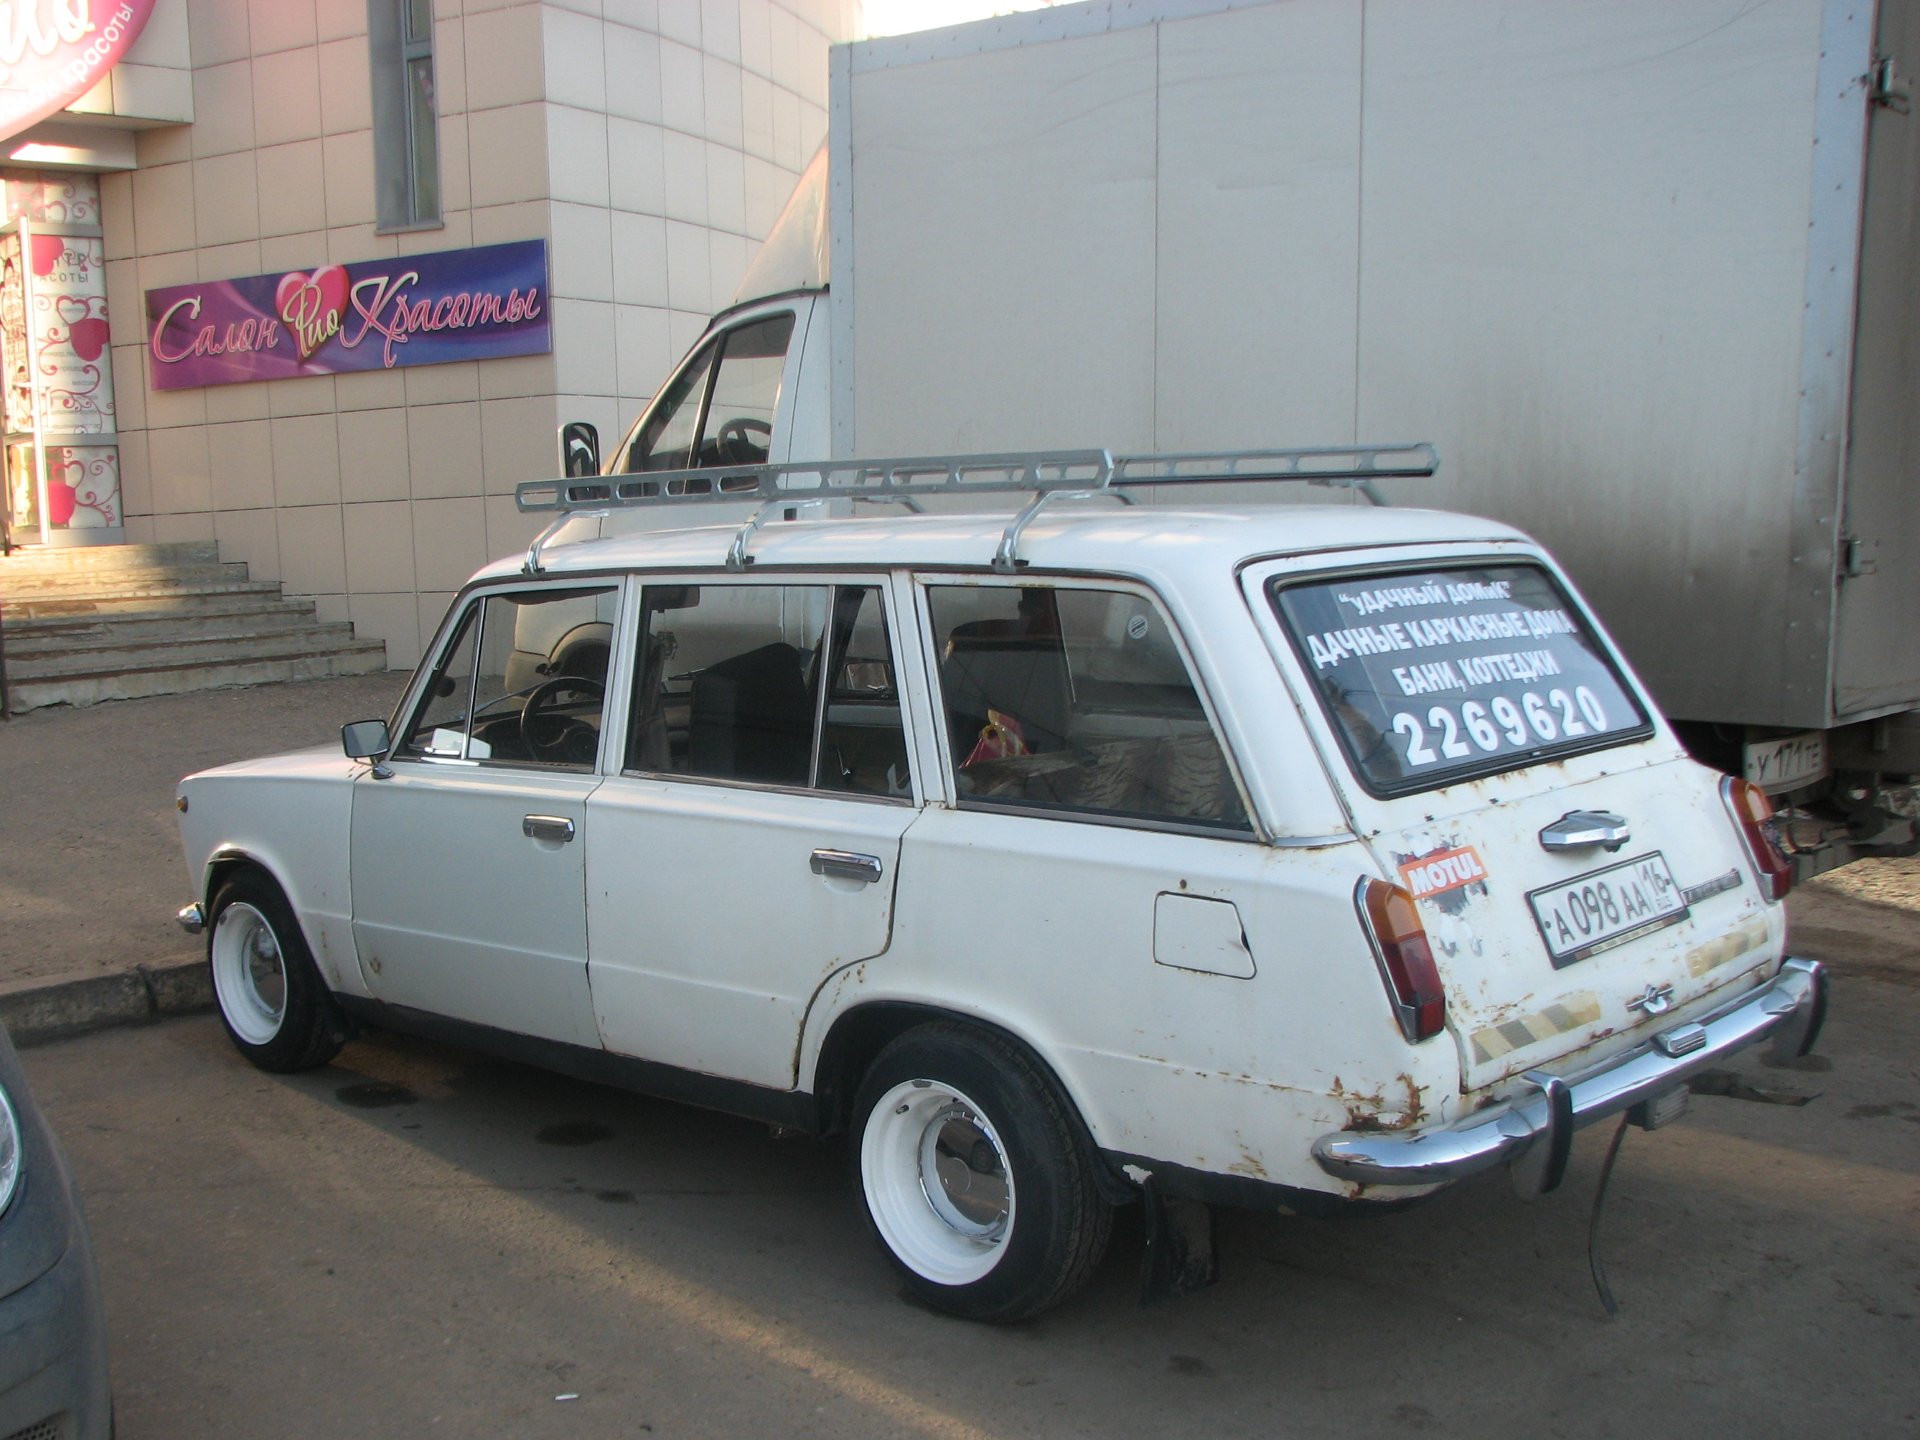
(732, 400)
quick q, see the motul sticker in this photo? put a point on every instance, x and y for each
(1432, 875)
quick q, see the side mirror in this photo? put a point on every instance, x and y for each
(368, 740)
(579, 450)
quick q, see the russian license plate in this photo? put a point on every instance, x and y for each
(1605, 908)
(1786, 763)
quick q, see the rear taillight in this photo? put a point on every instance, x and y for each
(1752, 811)
(1392, 923)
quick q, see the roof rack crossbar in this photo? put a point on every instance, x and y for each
(1042, 474)
(903, 478)
(1343, 467)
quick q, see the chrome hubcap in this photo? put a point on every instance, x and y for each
(937, 1182)
(962, 1173)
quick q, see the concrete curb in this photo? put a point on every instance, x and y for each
(36, 1011)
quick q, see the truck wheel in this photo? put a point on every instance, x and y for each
(276, 1008)
(973, 1177)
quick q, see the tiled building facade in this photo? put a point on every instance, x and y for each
(649, 143)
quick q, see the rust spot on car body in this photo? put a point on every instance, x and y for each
(1374, 1113)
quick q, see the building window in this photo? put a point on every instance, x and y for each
(406, 145)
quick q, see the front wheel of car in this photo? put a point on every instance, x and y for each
(276, 1008)
(974, 1177)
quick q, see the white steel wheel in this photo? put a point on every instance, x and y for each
(975, 1174)
(277, 1010)
(249, 973)
(937, 1183)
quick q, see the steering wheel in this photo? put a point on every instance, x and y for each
(556, 737)
(738, 440)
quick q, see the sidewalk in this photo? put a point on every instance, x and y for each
(91, 871)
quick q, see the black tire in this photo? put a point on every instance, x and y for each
(973, 1176)
(277, 1010)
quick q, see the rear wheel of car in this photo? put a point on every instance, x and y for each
(276, 1008)
(973, 1175)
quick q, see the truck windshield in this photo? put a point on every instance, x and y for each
(1437, 675)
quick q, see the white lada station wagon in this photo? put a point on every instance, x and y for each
(1085, 853)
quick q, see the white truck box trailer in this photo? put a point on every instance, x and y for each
(1645, 273)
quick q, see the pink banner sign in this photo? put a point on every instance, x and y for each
(54, 51)
(480, 304)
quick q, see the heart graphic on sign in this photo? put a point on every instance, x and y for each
(89, 337)
(312, 306)
(47, 250)
(63, 495)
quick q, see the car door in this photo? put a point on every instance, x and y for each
(468, 859)
(749, 845)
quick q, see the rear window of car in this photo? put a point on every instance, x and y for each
(1436, 675)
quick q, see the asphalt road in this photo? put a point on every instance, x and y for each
(419, 1240)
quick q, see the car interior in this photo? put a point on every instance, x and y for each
(1078, 699)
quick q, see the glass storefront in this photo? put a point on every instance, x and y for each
(62, 453)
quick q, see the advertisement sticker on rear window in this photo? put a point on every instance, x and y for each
(1444, 674)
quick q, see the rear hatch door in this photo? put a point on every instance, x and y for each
(1478, 724)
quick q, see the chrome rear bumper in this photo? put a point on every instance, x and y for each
(1790, 1011)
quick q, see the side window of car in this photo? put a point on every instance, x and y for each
(863, 742)
(536, 693)
(728, 421)
(727, 686)
(1076, 699)
(440, 724)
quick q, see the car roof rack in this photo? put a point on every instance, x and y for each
(1043, 474)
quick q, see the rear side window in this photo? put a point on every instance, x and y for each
(1072, 699)
(1432, 676)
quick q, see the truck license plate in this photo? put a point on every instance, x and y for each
(1786, 763)
(1605, 908)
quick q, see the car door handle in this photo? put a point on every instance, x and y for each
(547, 827)
(1584, 829)
(847, 865)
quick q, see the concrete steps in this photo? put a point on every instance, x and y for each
(116, 622)
(237, 614)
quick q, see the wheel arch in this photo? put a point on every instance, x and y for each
(859, 1033)
(224, 862)
(228, 860)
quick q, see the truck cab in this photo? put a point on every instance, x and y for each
(754, 390)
